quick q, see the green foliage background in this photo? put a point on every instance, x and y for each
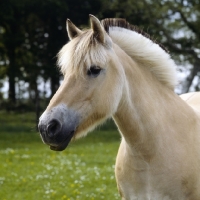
(32, 32)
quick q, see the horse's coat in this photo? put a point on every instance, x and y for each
(111, 70)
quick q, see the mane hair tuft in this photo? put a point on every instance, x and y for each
(122, 23)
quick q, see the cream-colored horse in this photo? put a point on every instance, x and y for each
(113, 70)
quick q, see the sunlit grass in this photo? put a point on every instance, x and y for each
(29, 170)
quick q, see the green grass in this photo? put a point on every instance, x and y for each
(29, 170)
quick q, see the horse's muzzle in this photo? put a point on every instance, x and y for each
(57, 127)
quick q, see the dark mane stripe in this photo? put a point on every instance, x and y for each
(122, 23)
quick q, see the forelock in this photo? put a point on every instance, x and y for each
(82, 52)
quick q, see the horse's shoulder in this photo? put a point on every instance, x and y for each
(192, 99)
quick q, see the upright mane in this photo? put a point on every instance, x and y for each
(141, 48)
(122, 23)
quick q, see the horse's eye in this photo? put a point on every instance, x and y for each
(94, 71)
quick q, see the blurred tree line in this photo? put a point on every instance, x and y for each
(32, 32)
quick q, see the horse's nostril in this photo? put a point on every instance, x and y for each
(53, 128)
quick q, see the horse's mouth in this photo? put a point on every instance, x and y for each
(63, 145)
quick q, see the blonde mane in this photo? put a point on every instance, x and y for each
(85, 50)
(139, 46)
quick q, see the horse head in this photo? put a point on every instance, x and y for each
(91, 90)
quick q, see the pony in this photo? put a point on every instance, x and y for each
(114, 70)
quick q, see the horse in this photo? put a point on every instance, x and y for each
(114, 70)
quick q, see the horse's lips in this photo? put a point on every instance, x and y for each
(62, 146)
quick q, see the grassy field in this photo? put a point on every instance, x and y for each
(29, 170)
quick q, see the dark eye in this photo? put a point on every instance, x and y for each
(94, 71)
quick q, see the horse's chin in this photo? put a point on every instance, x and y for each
(63, 145)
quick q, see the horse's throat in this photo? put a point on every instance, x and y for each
(140, 120)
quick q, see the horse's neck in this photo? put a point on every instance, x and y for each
(146, 105)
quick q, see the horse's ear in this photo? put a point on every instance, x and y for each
(97, 28)
(72, 30)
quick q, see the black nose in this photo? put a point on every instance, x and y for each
(53, 128)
